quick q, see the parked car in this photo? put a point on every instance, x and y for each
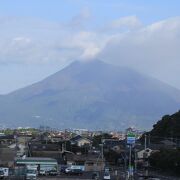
(42, 172)
(70, 171)
(53, 172)
(4, 172)
(63, 169)
(1, 174)
(95, 175)
(106, 176)
(31, 174)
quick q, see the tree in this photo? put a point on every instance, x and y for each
(167, 160)
(97, 140)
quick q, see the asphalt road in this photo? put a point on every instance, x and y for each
(62, 178)
(85, 176)
(88, 176)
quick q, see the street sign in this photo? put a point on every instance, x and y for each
(131, 138)
(131, 170)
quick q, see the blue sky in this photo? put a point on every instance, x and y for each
(102, 10)
(40, 37)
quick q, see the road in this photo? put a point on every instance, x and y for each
(88, 176)
(85, 176)
(61, 178)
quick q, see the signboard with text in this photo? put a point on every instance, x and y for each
(131, 138)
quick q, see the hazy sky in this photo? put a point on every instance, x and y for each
(39, 37)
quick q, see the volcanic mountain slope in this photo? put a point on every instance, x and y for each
(90, 94)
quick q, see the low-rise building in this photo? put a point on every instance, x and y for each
(80, 141)
(46, 150)
(90, 162)
(7, 156)
(43, 163)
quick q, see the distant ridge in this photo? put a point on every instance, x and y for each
(92, 95)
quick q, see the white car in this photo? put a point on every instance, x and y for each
(106, 176)
(31, 174)
(42, 172)
(67, 170)
(4, 172)
(1, 174)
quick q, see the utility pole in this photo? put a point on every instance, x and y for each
(130, 167)
(65, 145)
(135, 161)
(145, 142)
(125, 164)
(102, 151)
(149, 139)
(146, 156)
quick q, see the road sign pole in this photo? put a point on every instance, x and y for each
(130, 141)
(130, 168)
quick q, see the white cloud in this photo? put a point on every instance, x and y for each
(31, 41)
(80, 19)
(21, 40)
(126, 22)
(153, 49)
(40, 42)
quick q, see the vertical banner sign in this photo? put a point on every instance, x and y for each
(131, 138)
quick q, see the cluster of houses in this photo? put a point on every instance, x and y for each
(23, 148)
(67, 148)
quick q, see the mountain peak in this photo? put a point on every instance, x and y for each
(87, 62)
(93, 91)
